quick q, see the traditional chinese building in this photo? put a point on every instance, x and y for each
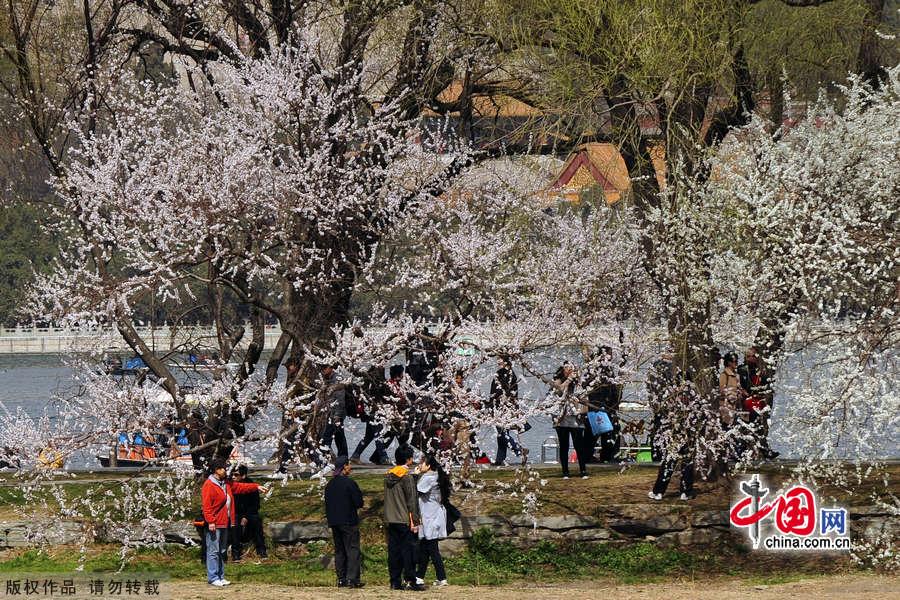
(600, 165)
(494, 115)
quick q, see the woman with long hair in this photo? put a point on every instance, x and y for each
(569, 418)
(434, 494)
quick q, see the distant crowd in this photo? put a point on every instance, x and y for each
(444, 422)
(584, 406)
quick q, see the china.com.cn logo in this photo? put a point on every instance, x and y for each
(798, 522)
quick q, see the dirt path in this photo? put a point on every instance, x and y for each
(855, 587)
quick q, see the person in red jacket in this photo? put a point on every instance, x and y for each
(218, 512)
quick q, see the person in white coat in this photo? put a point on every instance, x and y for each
(434, 493)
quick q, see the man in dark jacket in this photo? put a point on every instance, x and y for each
(662, 381)
(604, 393)
(372, 392)
(401, 411)
(755, 382)
(249, 521)
(503, 403)
(401, 515)
(342, 499)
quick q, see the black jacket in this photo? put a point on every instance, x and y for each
(246, 505)
(373, 394)
(745, 375)
(604, 393)
(504, 390)
(342, 499)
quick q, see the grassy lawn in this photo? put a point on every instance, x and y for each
(488, 561)
(499, 492)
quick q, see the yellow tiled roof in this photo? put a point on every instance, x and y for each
(600, 163)
(489, 106)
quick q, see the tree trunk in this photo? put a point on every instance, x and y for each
(868, 60)
(776, 94)
(688, 326)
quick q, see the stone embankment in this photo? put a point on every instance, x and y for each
(668, 525)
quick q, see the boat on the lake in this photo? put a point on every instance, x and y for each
(138, 450)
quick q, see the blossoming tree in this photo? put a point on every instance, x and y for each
(275, 180)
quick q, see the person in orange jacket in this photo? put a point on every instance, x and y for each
(217, 496)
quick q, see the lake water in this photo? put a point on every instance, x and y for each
(29, 382)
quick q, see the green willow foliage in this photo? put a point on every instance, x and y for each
(23, 249)
(577, 51)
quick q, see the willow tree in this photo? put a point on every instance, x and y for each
(675, 77)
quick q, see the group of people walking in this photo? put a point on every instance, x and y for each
(417, 515)
(443, 417)
(391, 408)
(400, 409)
